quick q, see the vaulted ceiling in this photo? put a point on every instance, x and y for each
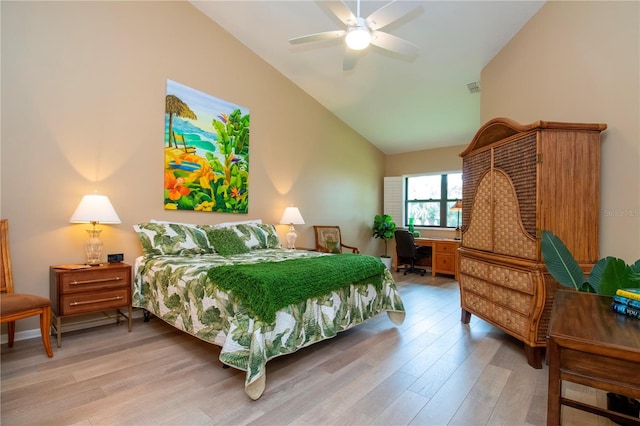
(398, 103)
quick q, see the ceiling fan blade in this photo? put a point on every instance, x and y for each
(393, 43)
(342, 11)
(327, 35)
(349, 60)
(389, 13)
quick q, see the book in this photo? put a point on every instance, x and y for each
(631, 293)
(626, 301)
(625, 309)
(73, 266)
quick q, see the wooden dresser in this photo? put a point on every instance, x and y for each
(517, 181)
(84, 291)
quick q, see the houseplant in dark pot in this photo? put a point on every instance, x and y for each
(384, 227)
(606, 277)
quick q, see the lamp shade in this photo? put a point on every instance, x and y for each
(292, 216)
(457, 206)
(95, 208)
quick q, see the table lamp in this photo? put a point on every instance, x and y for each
(94, 209)
(457, 207)
(291, 216)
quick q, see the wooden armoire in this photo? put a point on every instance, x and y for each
(519, 180)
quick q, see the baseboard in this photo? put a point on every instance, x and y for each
(68, 326)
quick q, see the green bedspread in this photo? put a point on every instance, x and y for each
(265, 288)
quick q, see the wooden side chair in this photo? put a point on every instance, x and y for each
(328, 240)
(15, 306)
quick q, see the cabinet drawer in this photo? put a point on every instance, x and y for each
(476, 304)
(512, 278)
(515, 300)
(72, 304)
(511, 320)
(445, 263)
(476, 285)
(474, 267)
(94, 280)
(445, 248)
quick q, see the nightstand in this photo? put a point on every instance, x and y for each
(84, 291)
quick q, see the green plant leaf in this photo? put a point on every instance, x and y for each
(596, 273)
(560, 263)
(587, 288)
(614, 276)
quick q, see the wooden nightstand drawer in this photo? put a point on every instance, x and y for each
(81, 303)
(94, 280)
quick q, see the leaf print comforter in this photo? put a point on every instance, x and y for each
(177, 290)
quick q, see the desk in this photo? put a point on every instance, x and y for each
(444, 255)
(591, 345)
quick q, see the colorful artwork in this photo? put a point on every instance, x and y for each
(206, 152)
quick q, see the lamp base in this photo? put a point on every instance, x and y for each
(291, 238)
(93, 247)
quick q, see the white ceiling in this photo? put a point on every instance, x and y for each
(396, 103)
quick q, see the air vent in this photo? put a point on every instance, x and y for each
(474, 87)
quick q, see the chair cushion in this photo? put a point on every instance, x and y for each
(14, 303)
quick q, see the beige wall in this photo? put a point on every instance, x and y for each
(438, 160)
(83, 88)
(579, 62)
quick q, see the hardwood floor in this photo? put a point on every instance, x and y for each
(431, 370)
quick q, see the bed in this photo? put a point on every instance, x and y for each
(207, 280)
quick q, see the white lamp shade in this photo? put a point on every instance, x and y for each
(95, 208)
(292, 216)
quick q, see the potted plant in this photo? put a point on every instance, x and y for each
(384, 227)
(606, 277)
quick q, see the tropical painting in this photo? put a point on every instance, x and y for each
(206, 152)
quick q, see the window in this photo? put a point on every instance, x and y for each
(429, 198)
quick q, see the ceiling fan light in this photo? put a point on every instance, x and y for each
(358, 38)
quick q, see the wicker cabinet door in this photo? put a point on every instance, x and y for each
(509, 236)
(479, 233)
(518, 160)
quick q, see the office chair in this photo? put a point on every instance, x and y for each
(408, 253)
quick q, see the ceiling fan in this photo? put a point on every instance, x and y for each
(361, 32)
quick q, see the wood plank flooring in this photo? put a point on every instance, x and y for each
(431, 370)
